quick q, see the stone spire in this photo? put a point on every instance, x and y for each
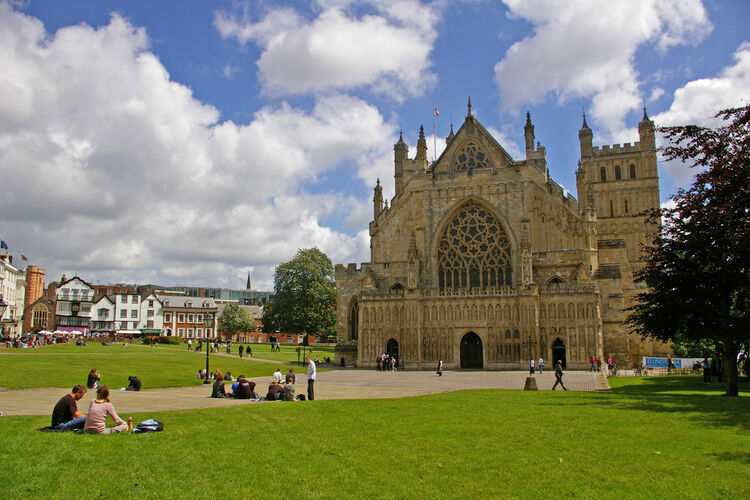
(249, 287)
(469, 113)
(451, 135)
(421, 145)
(646, 132)
(585, 138)
(528, 133)
(377, 201)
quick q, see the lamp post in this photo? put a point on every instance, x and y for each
(208, 320)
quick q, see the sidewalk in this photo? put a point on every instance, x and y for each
(334, 384)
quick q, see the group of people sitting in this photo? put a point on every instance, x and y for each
(245, 389)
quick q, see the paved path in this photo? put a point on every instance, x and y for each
(334, 384)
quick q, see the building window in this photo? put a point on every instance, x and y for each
(632, 171)
(199, 332)
(474, 251)
(471, 157)
(516, 334)
(180, 332)
(123, 313)
(123, 325)
(134, 313)
(124, 299)
(149, 324)
(188, 304)
(190, 318)
(134, 325)
(165, 303)
(603, 171)
(507, 334)
(618, 173)
(168, 317)
(181, 318)
(134, 299)
(40, 317)
(150, 313)
(150, 303)
(626, 206)
(190, 332)
(611, 208)
(199, 318)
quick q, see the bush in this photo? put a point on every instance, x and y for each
(163, 340)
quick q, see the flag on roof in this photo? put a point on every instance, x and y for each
(435, 110)
(3, 245)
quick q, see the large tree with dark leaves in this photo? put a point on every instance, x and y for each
(697, 267)
(305, 296)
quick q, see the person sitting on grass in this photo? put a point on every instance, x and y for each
(228, 377)
(289, 387)
(218, 388)
(93, 379)
(277, 376)
(135, 384)
(245, 389)
(97, 417)
(292, 376)
(275, 391)
(65, 415)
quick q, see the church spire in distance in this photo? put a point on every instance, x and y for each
(248, 281)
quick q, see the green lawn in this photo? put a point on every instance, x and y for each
(288, 353)
(65, 365)
(651, 437)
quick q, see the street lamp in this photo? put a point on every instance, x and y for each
(208, 320)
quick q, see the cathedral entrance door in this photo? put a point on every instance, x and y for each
(471, 351)
(392, 348)
(558, 352)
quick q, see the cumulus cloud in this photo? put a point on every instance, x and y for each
(586, 48)
(386, 49)
(113, 171)
(698, 101)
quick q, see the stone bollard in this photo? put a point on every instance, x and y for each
(530, 384)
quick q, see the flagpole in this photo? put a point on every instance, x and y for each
(434, 132)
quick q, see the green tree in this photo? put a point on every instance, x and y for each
(305, 296)
(234, 319)
(697, 267)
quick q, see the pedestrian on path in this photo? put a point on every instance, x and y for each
(559, 376)
(531, 366)
(540, 365)
(311, 373)
(440, 368)
(240, 350)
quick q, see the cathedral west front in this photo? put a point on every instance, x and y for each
(482, 261)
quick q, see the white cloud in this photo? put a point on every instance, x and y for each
(586, 48)
(386, 50)
(113, 171)
(698, 101)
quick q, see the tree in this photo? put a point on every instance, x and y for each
(305, 295)
(234, 319)
(697, 267)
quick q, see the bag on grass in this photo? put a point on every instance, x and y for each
(149, 425)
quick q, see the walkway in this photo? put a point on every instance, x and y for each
(334, 384)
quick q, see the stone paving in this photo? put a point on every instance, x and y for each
(334, 384)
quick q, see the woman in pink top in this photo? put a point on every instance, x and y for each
(98, 411)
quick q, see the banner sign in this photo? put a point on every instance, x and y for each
(678, 362)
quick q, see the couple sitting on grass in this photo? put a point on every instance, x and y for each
(65, 415)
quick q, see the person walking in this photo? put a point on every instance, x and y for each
(440, 368)
(311, 372)
(559, 376)
(240, 350)
(531, 366)
(540, 365)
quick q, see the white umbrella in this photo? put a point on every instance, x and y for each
(60, 332)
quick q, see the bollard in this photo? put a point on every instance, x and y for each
(530, 384)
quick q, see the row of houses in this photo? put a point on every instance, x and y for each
(81, 307)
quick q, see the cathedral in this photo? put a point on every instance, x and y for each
(483, 261)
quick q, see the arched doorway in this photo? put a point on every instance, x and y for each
(392, 348)
(558, 352)
(471, 351)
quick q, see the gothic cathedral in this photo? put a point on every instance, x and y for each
(483, 261)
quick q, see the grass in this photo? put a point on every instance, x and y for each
(288, 353)
(65, 365)
(651, 437)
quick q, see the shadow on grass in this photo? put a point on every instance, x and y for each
(682, 395)
(742, 457)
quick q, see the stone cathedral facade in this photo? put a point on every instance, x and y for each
(483, 261)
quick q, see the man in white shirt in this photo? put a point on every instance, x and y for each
(540, 364)
(310, 379)
(277, 376)
(531, 366)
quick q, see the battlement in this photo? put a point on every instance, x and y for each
(349, 268)
(614, 149)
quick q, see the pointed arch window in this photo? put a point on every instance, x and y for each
(603, 172)
(470, 157)
(474, 251)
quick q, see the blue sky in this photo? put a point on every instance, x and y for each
(189, 142)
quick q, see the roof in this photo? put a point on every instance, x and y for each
(181, 301)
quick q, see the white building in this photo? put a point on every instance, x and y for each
(103, 315)
(12, 291)
(127, 312)
(152, 320)
(75, 300)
